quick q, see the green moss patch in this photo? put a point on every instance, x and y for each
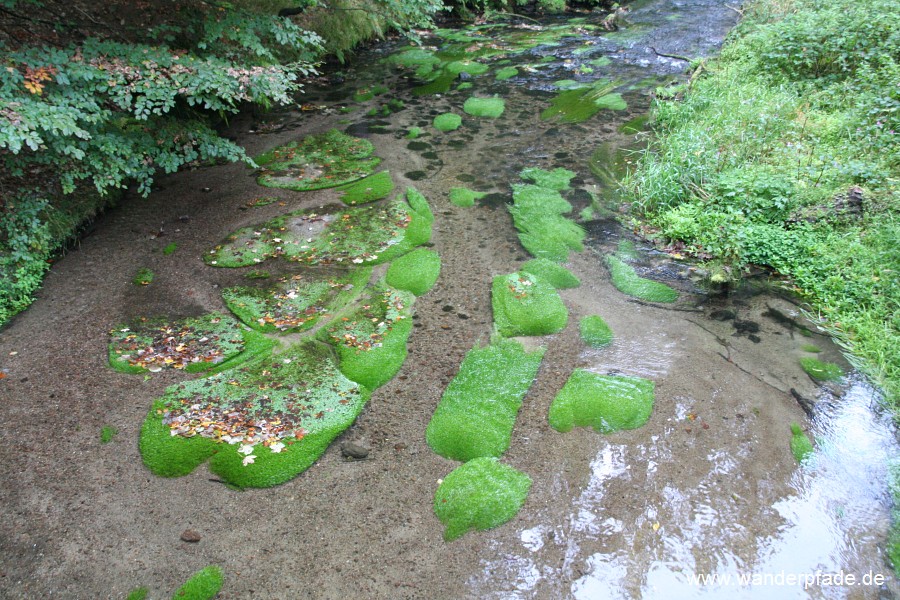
(526, 305)
(465, 197)
(820, 370)
(367, 93)
(368, 189)
(481, 494)
(413, 133)
(466, 66)
(107, 433)
(630, 283)
(552, 273)
(543, 231)
(484, 107)
(477, 411)
(367, 234)
(170, 249)
(605, 402)
(595, 332)
(416, 272)
(557, 179)
(371, 340)
(577, 105)
(259, 425)
(144, 276)
(811, 348)
(297, 302)
(801, 445)
(203, 585)
(194, 344)
(506, 73)
(317, 161)
(447, 122)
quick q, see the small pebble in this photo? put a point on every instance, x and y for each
(190, 536)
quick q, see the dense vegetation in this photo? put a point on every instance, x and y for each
(784, 153)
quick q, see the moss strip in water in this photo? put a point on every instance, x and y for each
(506, 73)
(556, 275)
(605, 402)
(595, 332)
(477, 411)
(416, 272)
(465, 197)
(368, 189)
(447, 122)
(371, 339)
(526, 305)
(543, 231)
(481, 494)
(580, 104)
(820, 370)
(317, 161)
(259, 425)
(801, 445)
(484, 107)
(630, 283)
(203, 585)
(557, 179)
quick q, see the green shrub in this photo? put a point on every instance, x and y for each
(477, 411)
(526, 305)
(595, 332)
(605, 402)
(481, 494)
(415, 272)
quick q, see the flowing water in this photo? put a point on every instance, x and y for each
(708, 487)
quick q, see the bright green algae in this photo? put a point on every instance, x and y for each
(595, 332)
(481, 494)
(317, 161)
(369, 234)
(556, 275)
(525, 305)
(538, 211)
(801, 445)
(203, 585)
(371, 339)
(416, 272)
(578, 104)
(297, 302)
(557, 179)
(605, 402)
(630, 283)
(820, 370)
(259, 425)
(477, 411)
(484, 107)
(368, 189)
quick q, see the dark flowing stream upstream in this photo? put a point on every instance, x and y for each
(708, 487)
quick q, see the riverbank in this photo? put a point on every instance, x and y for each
(783, 152)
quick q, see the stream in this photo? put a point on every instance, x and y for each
(707, 488)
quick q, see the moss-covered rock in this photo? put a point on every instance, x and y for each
(801, 445)
(195, 344)
(526, 305)
(477, 411)
(605, 402)
(259, 425)
(481, 494)
(371, 339)
(297, 302)
(465, 197)
(447, 122)
(484, 107)
(203, 585)
(595, 332)
(630, 283)
(415, 272)
(369, 234)
(368, 189)
(821, 370)
(556, 275)
(317, 161)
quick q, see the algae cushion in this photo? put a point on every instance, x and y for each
(605, 402)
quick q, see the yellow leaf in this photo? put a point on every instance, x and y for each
(34, 87)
